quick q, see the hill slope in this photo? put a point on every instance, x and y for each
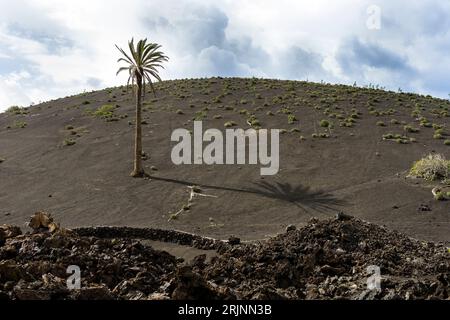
(351, 168)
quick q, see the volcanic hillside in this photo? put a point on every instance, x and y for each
(341, 149)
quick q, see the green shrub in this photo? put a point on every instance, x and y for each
(105, 111)
(447, 142)
(324, 123)
(440, 196)
(69, 142)
(17, 110)
(200, 115)
(230, 124)
(411, 129)
(397, 138)
(292, 119)
(20, 124)
(253, 121)
(432, 167)
(346, 124)
(425, 123)
(381, 124)
(285, 110)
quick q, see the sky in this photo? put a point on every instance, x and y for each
(52, 48)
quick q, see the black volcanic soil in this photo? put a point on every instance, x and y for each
(324, 260)
(354, 170)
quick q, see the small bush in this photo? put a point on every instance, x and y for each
(447, 142)
(432, 167)
(292, 119)
(440, 196)
(411, 129)
(69, 142)
(425, 123)
(20, 124)
(253, 121)
(230, 124)
(381, 124)
(398, 138)
(200, 115)
(105, 111)
(17, 110)
(325, 124)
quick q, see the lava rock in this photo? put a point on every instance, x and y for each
(291, 227)
(343, 217)
(234, 241)
(424, 208)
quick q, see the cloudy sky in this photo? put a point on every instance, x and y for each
(54, 48)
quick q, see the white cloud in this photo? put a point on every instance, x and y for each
(67, 48)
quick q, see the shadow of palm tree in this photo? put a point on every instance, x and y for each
(301, 196)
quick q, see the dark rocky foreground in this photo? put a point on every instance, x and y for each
(323, 260)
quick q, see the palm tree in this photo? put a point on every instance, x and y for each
(142, 62)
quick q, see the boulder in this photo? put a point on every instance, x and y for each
(43, 222)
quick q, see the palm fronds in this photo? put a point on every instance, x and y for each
(143, 61)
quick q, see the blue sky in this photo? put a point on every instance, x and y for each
(53, 48)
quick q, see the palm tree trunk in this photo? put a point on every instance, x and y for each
(138, 171)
